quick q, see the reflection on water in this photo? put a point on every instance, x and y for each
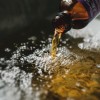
(27, 71)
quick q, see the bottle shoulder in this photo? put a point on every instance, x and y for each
(78, 13)
(76, 10)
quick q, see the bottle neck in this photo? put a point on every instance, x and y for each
(62, 22)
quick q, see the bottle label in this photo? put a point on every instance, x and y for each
(92, 6)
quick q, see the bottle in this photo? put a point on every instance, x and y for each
(76, 14)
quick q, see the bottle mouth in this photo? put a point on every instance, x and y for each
(60, 29)
(62, 21)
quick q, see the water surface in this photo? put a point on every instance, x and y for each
(28, 72)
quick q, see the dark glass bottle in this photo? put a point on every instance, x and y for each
(76, 14)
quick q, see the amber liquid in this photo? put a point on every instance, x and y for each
(55, 41)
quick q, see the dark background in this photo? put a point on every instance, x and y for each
(26, 16)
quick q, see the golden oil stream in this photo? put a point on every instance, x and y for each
(55, 43)
(57, 35)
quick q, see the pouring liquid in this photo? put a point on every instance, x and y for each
(55, 43)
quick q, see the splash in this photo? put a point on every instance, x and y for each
(29, 72)
(27, 63)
